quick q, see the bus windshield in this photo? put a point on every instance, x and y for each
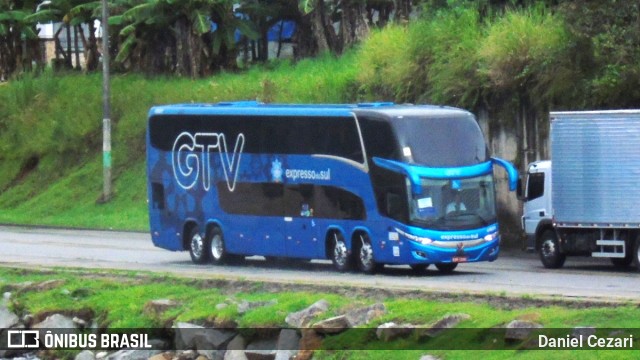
(428, 140)
(454, 204)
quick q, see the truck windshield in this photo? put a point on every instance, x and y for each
(454, 204)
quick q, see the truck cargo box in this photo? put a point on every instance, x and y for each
(596, 168)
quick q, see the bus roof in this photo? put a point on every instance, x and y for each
(387, 109)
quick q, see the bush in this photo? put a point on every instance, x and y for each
(527, 52)
(444, 53)
(384, 64)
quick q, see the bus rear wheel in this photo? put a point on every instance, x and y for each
(197, 247)
(339, 252)
(364, 255)
(217, 249)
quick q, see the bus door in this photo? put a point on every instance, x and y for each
(300, 229)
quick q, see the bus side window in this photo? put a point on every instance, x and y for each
(157, 195)
(299, 201)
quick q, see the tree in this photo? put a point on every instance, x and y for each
(18, 37)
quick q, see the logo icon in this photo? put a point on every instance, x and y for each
(21, 339)
(276, 171)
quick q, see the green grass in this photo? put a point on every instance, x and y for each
(117, 299)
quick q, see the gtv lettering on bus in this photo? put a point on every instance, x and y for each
(191, 158)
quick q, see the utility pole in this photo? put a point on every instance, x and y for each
(106, 109)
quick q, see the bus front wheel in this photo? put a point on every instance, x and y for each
(446, 268)
(339, 252)
(364, 255)
(197, 247)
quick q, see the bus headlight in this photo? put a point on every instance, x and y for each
(423, 240)
(491, 237)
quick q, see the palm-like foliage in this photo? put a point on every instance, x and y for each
(17, 29)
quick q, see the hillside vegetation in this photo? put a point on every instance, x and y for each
(515, 64)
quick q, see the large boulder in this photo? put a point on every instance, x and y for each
(302, 318)
(364, 315)
(8, 319)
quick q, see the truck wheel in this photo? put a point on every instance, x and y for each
(550, 251)
(636, 252)
(197, 247)
(339, 252)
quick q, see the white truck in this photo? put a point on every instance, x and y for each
(587, 202)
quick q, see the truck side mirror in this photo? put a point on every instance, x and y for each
(520, 191)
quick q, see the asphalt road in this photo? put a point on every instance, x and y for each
(514, 273)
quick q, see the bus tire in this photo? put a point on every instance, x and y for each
(419, 268)
(339, 252)
(217, 248)
(550, 250)
(364, 255)
(197, 247)
(446, 268)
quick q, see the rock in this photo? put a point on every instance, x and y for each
(245, 306)
(56, 321)
(133, 354)
(80, 322)
(261, 350)
(288, 344)
(429, 357)
(7, 318)
(363, 316)
(190, 336)
(163, 356)
(310, 340)
(583, 331)
(46, 285)
(301, 318)
(390, 331)
(159, 306)
(518, 330)
(222, 306)
(237, 343)
(102, 355)
(19, 286)
(6, 299)
(235, 355)
(447, 322)
(334, 325)
(288, 339)
(85, 355)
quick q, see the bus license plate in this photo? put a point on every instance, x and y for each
(459, 259)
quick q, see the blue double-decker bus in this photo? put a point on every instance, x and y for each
(362, 185)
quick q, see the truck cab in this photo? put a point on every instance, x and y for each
(537, 211)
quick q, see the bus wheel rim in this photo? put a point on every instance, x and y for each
(366, 253)
(196, 245)
(216, 247)
(340, 252)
